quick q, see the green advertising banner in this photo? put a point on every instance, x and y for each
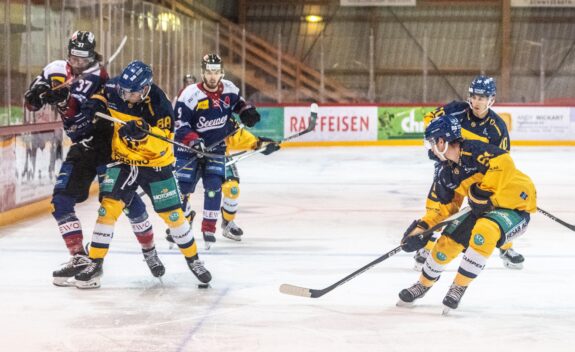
(400, 123)
(271, 124)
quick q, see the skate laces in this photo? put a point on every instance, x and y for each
(232, 226)
(152, 259)
(198, 267)
(417, 289)
(456, 292)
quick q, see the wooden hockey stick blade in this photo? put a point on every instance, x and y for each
(556, 219)
(313, 293)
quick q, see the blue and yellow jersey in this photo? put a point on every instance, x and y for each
(490, 129)
(492, 169)
(157, 111)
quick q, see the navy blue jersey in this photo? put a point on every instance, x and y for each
(490, 129)
(207, 114)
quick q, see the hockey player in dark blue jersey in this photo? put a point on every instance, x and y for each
(478, 122)
(88, 156)
(203, 116)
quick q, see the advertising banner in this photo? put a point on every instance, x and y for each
(377, 2)
(401, 122)
(542, 3)
(334, 123)
(538, 123)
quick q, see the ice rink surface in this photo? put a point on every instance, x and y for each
(310, 217)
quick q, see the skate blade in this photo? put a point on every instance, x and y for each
(512, 266)
(403, 304)
(94, 283)
(207, 245)
(64, 282)
(446, 310)
(232, 237)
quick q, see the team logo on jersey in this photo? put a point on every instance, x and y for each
(102, 211)
(524, 196)
(174, 216)
(478, 239)
(205, 125)
(441, 256)
(227, 102)
(203, 105)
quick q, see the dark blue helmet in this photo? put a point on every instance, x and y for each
(135, 77)
(483, 85)
(446, 127)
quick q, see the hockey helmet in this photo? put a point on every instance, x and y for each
(212, 62)
(82, 44)
(446, 127)
(135, 78)
(483, 85)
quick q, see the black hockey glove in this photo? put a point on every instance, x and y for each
(412, 239)
(133, 130)
(56, 96)
(33, 96)
(91, 106)
(199, 146)
(250, 116)
(270, 145)
(479, 200)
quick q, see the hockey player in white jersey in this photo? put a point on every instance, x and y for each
(203, 117)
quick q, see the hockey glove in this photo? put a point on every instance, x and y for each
(193, 140)
(250, 116)
(270, 145)
(133, 130)
(412, 239)
(91, 106)
(199, 146)
(33, 96)
(56, 96)
(479, 200)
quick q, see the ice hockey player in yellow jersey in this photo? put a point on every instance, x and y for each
(500, 196)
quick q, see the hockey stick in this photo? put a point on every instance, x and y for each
(552, 217)
(234, 158)
(313, 293)
(165, 139)
(73, 80)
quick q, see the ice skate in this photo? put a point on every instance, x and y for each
(64, 276)
(408, 295)
(453, 297)
(90, 276)
(511, 259)
(209, 239)
(199, 270)
(231, 230)
(154, 263)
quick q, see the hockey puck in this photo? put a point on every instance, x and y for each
(203, 285)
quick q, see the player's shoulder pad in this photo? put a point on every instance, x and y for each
(191, 95)
(57, 67)
(230, 87)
